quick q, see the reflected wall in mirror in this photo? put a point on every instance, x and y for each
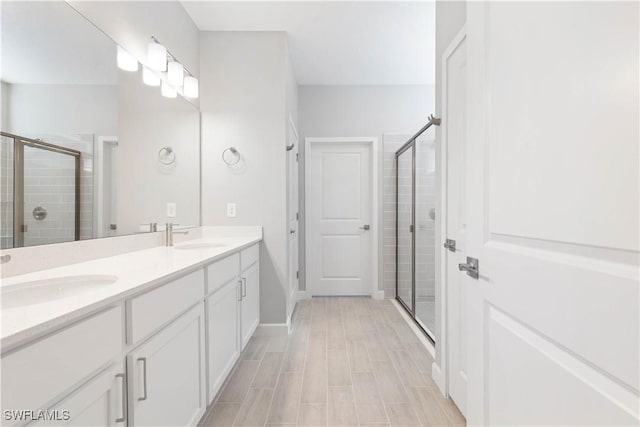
(81, 139)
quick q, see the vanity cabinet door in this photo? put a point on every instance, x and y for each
(250, 308)
(167, 374)
(99, 402)
(223, 331)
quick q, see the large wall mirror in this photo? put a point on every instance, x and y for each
(87, 150)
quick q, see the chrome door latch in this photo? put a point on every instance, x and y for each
(471, 267)
(450, 245)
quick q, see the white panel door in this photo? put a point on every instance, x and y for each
(339, 247)
(454, 130)
(552, 208)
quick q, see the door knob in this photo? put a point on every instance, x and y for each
(472, 267)
(365, 227)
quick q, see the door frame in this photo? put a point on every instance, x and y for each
(374, 146)
(440, 373)
(293, 290)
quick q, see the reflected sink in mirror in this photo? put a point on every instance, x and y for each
(201, 245)
(46, 290)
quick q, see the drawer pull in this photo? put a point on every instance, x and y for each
(144, 377)
(124, 399)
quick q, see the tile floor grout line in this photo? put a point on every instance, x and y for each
(346, 350)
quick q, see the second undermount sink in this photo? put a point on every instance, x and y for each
(46, 290)
(201, 245)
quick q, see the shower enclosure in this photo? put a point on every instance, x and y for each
(40, 192)
(415, 228)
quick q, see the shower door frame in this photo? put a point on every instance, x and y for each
(411, 144)
(19, 142)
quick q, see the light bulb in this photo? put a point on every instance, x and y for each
(157, 57)
(190, 87)
(149, 77)
(167, 91)
(175, 73)
(126, 61)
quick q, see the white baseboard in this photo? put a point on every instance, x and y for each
(303, 295)
(438, 378)
(416, 330)
(272, 329)
(377, 295)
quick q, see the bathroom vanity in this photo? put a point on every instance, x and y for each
(150, 344)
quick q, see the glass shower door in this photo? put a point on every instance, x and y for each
(49, 197)
(425, 232)
(404, 228)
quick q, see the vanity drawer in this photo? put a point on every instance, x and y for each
(222, 272)
(249, 256)
(35, 375)
(150, 311)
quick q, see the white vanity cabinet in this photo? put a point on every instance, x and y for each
(167, 374)
(100, 402)
(233, 312)
(39, 375)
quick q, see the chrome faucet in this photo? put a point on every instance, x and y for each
(168, 234)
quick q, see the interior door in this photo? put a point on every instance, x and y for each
(404, 228)
(454, 141)
(552, 202)
(292, 215)
(339, 248)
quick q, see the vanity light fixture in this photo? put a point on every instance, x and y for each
(168, 91)
(160, 59)
(190, 88)
(149, 77)
(175, 73)
(156, 56)
(126, 61)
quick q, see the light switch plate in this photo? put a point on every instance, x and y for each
(171, 210)
(231, 210)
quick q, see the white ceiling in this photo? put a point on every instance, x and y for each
(338, 43)
(50, 43)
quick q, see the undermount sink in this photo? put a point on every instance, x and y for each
(39, 291)
(201, 245)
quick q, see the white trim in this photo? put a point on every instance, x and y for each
(272, 329)
(375, 153)
(303, 295)
(438, 378)
(439, 373)
(415, 329)
(379, 295)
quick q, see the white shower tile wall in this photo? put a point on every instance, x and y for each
(50, 184)
(425, 224)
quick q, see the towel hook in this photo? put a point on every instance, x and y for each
(236, 156)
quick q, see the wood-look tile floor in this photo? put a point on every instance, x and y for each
(347, 362)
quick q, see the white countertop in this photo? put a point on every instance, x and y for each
(136, 272)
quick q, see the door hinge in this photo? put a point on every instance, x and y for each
(297, 156)
(297, 274)
(297, 216)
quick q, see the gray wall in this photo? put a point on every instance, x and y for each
(450, 17)
(244, 105)
(343, 111)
